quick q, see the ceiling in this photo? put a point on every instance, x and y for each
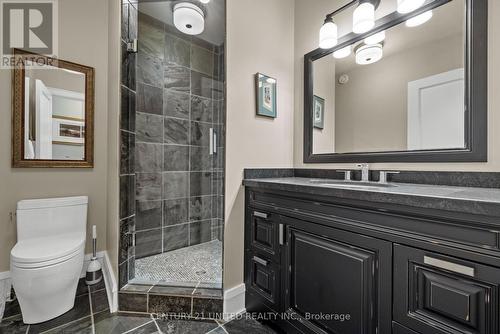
(215, 16)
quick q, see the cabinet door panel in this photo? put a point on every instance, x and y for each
(337, 281)
(446, 295)
(263, 281)
(263, 233)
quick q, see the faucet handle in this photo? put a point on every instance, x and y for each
(347, 174)
(383, 175)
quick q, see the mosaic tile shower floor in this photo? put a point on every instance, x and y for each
(199, 265)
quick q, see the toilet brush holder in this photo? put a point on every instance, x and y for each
(94, 270)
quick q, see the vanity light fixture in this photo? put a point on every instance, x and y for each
(328, 34)
(419, 19)
(375, 38)
(189, 18)
(342, 53)
(363, 19)
(407, 6)
(369, 54)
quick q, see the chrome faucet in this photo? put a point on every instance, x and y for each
(365, 172)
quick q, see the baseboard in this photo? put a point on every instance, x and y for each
(234, 302)
(111, 284)
(4, 275)
(5, 278)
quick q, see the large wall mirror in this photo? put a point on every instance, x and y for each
(412, 89)
(53, 105)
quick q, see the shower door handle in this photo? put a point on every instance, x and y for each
(213, 141)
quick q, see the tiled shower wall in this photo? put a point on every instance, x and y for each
(179, 185)
(126, 259)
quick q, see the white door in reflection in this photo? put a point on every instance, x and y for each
(436, 108)
(43, 142)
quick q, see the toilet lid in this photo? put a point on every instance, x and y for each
(37, 250)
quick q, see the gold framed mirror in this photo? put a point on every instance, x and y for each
(52, 113)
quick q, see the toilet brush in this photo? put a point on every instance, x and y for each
(94, 271)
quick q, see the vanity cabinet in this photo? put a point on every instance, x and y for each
(315, 265)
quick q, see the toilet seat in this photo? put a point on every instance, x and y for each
(44, 252)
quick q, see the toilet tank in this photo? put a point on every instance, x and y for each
(37, 218)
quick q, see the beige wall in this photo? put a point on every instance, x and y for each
(324, 87)
(378, 120)
(259, 39)
(308, 17)
(83, 38)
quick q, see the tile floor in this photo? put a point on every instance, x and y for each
(199, 265)
(91, 316)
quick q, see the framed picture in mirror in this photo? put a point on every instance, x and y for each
(319, 112)
(266, 95)
(52, 113)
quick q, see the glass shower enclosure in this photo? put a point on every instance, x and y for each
(174, 176)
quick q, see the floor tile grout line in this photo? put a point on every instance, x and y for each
(133, 329)
(91, 310)
(156, 324)
(65, 324)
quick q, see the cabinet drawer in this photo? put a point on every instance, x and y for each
(434, 293)
(263, 280)
(264, 233)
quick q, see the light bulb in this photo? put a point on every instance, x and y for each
(363, 18)
(369, 54)
(328, 35)
(419, 19)
(342, 53)
(375, 38)
(407, 6)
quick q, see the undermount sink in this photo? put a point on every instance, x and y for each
(352, 184)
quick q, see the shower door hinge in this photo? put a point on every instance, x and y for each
(130, 239)
(132, 46)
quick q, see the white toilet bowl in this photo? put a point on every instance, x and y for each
(47, 261)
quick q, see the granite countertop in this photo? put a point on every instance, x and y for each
(484, 201)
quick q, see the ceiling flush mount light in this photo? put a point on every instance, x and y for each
(328, 34)
(363, 18)
(407, 6)
(342, 53)
(369, 54)
(375, 38)
(189, 18)
(419, 19)
(205, 1)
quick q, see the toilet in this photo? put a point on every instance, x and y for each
(47, 261)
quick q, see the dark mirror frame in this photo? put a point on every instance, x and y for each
(18, 74)
(476, 94)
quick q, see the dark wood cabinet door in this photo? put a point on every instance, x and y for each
(398, 329)
(336, 281)
(437, 294)
(262, 232)
(263, 283)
